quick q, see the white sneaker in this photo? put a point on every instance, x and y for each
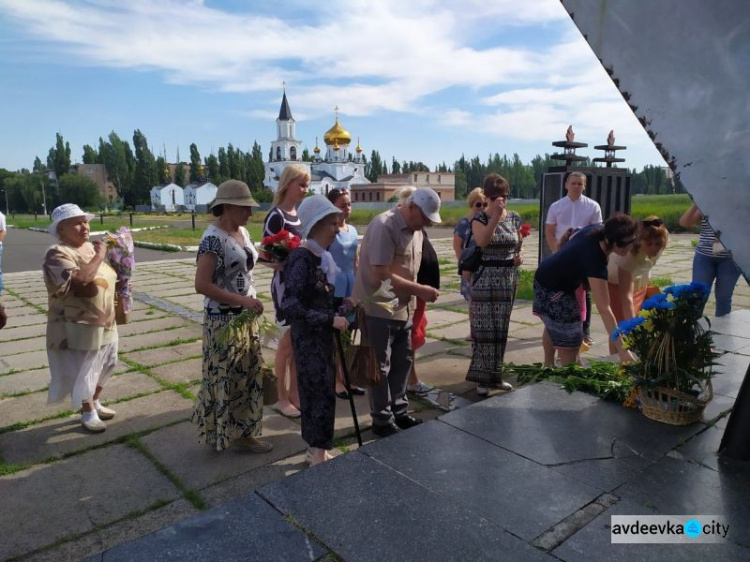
(482, 390)
(420, 388)
(104, 412)
(506, 386)
(90, 421)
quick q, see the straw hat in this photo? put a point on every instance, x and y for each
(64, 212)
(312, 210)
(233, 192)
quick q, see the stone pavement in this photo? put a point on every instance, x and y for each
(68, 494)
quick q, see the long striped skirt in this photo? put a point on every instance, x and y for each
(493, 292)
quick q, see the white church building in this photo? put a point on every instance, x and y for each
(333, 170)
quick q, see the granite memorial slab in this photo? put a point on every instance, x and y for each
(517, 494)
(379, 514)
(593, 543)
(546, 424)
(675, 486)
(245, 529)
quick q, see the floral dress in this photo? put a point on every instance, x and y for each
(229, 404)
(308, 306)
(493, 292)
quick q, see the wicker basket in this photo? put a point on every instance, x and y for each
(671, 406)
(270, 389)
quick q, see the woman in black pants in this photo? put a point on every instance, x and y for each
(307, 304)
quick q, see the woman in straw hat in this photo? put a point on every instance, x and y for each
(293, 184)
(309, 277)
(81, 329)
(229, 405)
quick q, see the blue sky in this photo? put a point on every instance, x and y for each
(419, 80)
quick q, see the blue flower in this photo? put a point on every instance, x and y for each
(660, 301)
(627, 326)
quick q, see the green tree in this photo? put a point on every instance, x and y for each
(395, 166)
(233, 162)
(80, 190)
(374, 168)
(256, 171)
(179, 174)
(223, 164)
(162, 171)
(196, 172)
(90, 156)
(145, 175)
(38, 165)
(118, 158)
(212, 167)
(59, 157)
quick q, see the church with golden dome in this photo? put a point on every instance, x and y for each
(337, 168)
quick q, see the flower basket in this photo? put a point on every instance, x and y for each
(675, 356)
(673, 407)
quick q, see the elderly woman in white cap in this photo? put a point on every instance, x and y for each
(309, 277)
(229, 405)
(81, 329)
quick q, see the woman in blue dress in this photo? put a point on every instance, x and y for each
(345, 253)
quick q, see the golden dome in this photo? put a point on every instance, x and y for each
(337, 135)
(316, 150)
(359, 148)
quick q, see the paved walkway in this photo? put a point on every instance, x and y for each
(68, 494)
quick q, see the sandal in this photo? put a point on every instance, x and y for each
(290, 411)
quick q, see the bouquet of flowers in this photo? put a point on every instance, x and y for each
(673, 348)
(120, 255)
(276, 247)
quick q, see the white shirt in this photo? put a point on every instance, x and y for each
(2, 225)
(566, 213)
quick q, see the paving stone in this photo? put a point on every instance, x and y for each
(116, 533)
(9, 349)
(392, 512)
(725, 342)
(437, 317)
(456, 332)
(215, 534)
(161, 355)
(191, 302)
(182, 371)
(446, 372)
(16, 333)
(164, 337)
(77, 495)
(538, 421)
(593, 543)
(738, 322)
(23, 361)
(26, 320)
(146, 313)
(34, 406)
(515, 493)
(198, 466)
(704, 447)
(146, 326)
(58, 437)
(344, 423)
(433, 347)
(27, 381)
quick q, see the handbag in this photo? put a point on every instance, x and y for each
(470, 258)
(360, 358)
(270, 389)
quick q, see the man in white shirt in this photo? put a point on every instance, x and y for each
(3, 229)
(573, 211)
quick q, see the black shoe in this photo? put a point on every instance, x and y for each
(386, 430)
(358, 391)
(405, 422)
(344, 395)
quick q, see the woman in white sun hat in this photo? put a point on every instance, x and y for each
(307, 304)
(81, 329)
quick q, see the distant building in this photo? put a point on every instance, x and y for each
(167, 197)
(201, 193)
(336, 169)
(444, 184)
(98, 174)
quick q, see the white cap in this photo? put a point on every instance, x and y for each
(429, 201)
(66, 211)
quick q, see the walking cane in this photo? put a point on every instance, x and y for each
(345, 370)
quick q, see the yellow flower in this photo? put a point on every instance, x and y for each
(670, 298)
(645, 313)
(648, 325)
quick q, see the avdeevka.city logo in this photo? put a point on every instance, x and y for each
(653, 529)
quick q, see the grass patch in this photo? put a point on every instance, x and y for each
(525, 284)
(25, 301)
(190, 495)
(661, 281)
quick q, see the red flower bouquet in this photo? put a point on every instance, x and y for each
(277, 246)
(524, 231)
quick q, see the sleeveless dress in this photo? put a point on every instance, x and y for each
(493, 292)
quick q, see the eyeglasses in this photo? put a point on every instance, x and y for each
(480, 205)
(624, 243)
(654, 222)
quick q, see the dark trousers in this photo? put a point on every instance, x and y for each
(391, 341)
(587, 320)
